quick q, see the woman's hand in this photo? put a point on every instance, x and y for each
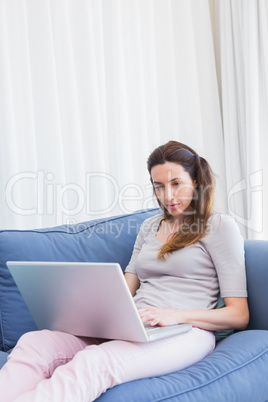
(234, 316)
(160, 316)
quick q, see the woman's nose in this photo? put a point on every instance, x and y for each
(169, 194)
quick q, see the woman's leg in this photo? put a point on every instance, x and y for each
(35, 358)
(97, 368)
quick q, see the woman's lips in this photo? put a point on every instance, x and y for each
(173, 206)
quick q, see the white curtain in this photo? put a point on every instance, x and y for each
(241, 41)
(87, 90)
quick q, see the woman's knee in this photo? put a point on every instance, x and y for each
(35, 343)
(30, 349)
(32, 338)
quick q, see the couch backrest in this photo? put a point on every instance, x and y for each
(256, 254)
(106, 240)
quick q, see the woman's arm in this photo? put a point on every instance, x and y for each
(234, 316)
(132, 281)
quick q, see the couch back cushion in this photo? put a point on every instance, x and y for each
(256, 254)
(106, 240)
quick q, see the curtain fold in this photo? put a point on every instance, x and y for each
(241, 30)
(88, 89)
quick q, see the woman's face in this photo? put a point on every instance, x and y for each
(173, 187)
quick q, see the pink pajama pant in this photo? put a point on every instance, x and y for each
(55, 366)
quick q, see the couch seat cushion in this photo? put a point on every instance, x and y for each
(235, 371)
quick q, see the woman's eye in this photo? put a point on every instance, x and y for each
(176, 183)
(158, 187)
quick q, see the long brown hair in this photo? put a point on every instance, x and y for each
(194, 225)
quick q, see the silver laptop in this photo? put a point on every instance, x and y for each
(84, 299)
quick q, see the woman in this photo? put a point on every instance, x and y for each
(182, 260)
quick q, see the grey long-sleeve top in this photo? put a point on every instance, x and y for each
(192, 277)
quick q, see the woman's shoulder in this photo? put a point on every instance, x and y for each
(155, 219)
(221, 224)
(151, 224)
(219, 219)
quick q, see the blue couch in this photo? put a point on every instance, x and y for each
(237, 370)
